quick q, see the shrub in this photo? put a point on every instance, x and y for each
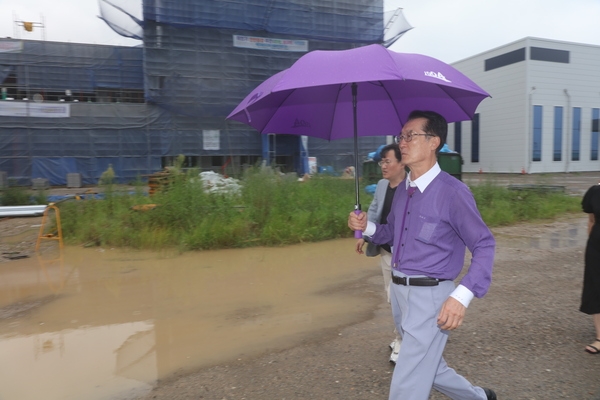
(15, 196)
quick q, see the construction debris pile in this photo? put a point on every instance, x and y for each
(213, 182)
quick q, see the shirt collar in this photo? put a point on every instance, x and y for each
(424, 180)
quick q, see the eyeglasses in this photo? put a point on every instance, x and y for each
(407, 137)
(384, 162)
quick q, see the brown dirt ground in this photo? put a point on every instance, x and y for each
(18, 237)
(525, 339)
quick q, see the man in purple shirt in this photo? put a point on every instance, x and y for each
(431, 223)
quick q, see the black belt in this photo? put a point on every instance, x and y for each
(398, 280)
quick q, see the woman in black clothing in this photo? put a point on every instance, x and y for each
(590, 297)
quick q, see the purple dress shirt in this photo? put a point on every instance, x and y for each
(440, 223)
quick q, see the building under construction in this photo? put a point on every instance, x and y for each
(78, 108)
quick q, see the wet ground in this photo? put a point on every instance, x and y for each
(299, 322)
(525, 339)
(105, 323)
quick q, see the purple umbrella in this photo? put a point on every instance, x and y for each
(366, 91)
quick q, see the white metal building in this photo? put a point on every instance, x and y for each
(544, 112)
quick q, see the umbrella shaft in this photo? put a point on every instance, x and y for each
(354, 109)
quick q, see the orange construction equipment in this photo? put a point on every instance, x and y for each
(57, 235)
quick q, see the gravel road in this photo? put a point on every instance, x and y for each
(525, 339)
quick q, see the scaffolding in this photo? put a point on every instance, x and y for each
(78, 108)
(352, 21)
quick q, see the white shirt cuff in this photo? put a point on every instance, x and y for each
(463, 295)
(371, 228)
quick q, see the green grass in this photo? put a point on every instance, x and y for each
(14, 196)
(20, 196)
(270, 210)
(501, 206)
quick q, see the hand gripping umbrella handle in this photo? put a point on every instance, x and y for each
(358, 233)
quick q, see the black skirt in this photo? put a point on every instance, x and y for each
(590, 296)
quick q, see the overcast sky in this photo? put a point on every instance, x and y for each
(444, 29)
(73, 21)
(452, 30)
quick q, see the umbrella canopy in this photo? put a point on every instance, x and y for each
(366, 91)
(314, 96)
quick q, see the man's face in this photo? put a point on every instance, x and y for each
(421, 148)
(391, 168)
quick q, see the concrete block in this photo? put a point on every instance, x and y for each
(40, 183)
(74, 180)
(3, 179)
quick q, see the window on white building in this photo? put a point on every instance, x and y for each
(558, 133)
(576, 142)
(475, 139)
(458, 137)
(536, 151)
(595, 130)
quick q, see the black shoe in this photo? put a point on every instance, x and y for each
(491, 395)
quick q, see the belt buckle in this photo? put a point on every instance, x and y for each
(407, 281)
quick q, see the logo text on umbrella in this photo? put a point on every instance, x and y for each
(300, 123)
(254, 97)
(437, 75)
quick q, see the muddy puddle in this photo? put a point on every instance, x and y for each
(107, 324)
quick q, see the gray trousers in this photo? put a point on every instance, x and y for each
(420, 364)
(386, 269)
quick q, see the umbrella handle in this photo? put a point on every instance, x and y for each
(357, 234)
